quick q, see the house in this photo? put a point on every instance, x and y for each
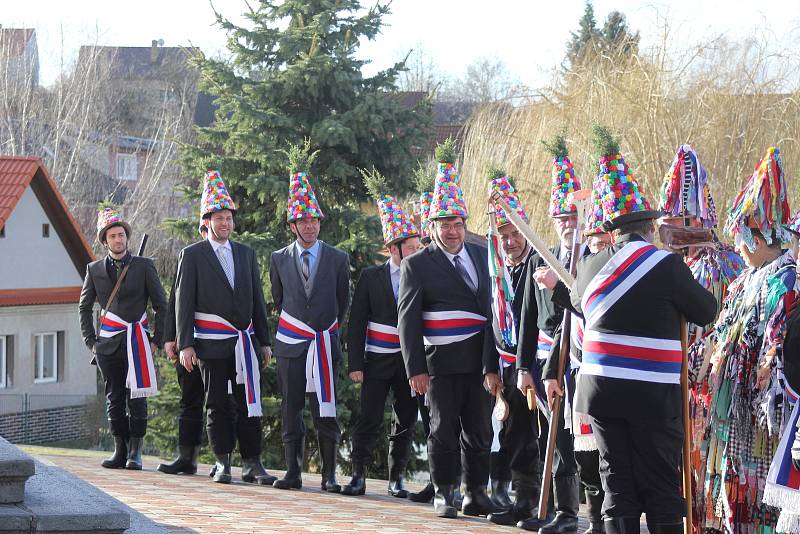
(45, 376)
(19, 55)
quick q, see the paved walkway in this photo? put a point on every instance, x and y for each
(195, 504)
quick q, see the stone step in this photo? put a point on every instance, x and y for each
(16, 468)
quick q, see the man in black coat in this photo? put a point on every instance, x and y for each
(448, 349)
(221, 326)
(122, 345)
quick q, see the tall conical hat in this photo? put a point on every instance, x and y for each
(448, 197)
(598, 215)
(685, 191)
(763, 204)
(302, 201)
(500, 183)
(108, 217)
(425, 199)
(215, 195)
(564, 183)
(394, 222)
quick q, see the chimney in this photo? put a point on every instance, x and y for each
(153, 51)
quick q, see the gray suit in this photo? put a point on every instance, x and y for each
(317, 303)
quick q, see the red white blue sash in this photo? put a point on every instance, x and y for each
(622, 271)
(543, 346)
(382, 339)
(141, 379)
(445, 327)
(319, 358)
(576, 335)
(507, 359)
(783, 480)
(632, 357)
(209, 326)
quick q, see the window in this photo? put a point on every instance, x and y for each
(45, 230)
(3, 363)
(46, 354)
(127, 167)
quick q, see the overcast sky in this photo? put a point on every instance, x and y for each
(529, 36)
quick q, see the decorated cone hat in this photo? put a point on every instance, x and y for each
(424, 207)
(448, 198)
(215, 195)
(394, 222)
(563, 178)
(302, 202)
(622, 198)
(598, 215)
(500, 183)
(424, 180)
(763, 204)
(108, 217)
(685, 191)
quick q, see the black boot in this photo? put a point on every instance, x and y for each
(500, 497)
(185, 463)
(357, 484)
(533, 523)
(425, 495)
(622, 525)
(253, 471)
(327, 449)
(595, 505)
(443, 504)
(293, 451)
(525, 505)
(223, 469)
(135, 454)
(476, 502)
(120, 456)
(458, 498)
(674, 526)
(565, 495)
(396, 487)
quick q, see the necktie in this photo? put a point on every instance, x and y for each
(306, 264)
(568, 258)
(464, 274)
(225, 266)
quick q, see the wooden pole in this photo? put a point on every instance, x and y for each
(687, 428)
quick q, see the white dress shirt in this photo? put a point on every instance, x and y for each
(466, 261)
(394, 274)
(227, 251)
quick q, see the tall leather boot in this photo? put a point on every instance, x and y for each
(533, 523)
(253, 471)
(500, 496)
(327, 449)
(120, 456)
(477, 503)
(674, 526)
(622, 525)
(443, 503)
(424, 495)
(595, 504)
(185, 463)
(293, 452)
(135, 454)
(357, 484)
(397, 467)
(565, 495)
(525, 505)
(222, 475)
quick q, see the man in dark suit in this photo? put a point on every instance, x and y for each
(311, 291)
(221, 326)
(122, 345)
(448, 349)
(374, 358)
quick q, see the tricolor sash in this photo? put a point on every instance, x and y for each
(141, 379)
(210, 326)
(507, 359)
(543, 346)
(319, 358)
(445, 327)
(783, 480)
(576, 335)
(632, 357)
(382, 339)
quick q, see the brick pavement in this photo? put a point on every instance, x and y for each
(195, 504)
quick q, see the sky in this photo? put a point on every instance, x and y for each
(529, 36)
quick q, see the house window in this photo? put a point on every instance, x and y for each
(46, 354)
(127, 167)
(45, 230)
(4, 356)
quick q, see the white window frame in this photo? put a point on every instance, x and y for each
(3, 361)
(38, 340)
(132, 165)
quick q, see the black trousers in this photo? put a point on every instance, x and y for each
(190, 411)
(589, 471)
(461, 429)
(227, 414)
(292, 385)
(381, 375)
(127, 417)
(640, 467)
(519, 436)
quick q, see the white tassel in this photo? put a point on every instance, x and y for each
(585, 443)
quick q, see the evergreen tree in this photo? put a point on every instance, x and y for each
(617, 37)
(585, 38)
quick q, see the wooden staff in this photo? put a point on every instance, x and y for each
(687, 429)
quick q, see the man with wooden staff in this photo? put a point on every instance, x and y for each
(518, 457)
(633, 298)
(447, 345)
(373, 355)
(539, 319)
(123, 346)
(221, 327)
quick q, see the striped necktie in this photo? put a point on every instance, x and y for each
(225, 266)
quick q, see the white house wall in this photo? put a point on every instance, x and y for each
(28, 259)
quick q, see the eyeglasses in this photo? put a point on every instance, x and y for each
(456, 226)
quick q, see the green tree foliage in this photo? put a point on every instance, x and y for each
(615, 37)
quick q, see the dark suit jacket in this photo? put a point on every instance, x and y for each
(651, 308)
(201, 286)
(140, 285)
(326, 302)
(518, 282)
(430, 282)
(373, 300)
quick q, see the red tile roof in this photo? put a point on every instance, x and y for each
(38, 296)
(19, 172)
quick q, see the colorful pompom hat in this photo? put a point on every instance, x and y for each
(424, 208)
(215, 195)
(622, 198)
(396, 225)
(500, 183)
(763, 204)
(597, 213)
(302, 201)
(685, 191)
(448, 197)
(562, 176)
(108, 217)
